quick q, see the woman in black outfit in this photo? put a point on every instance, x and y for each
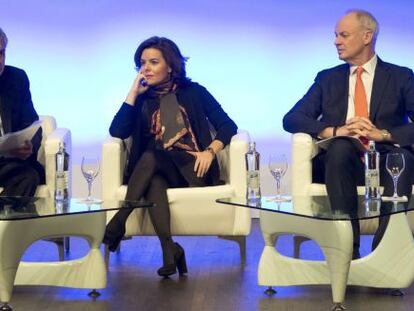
(169, 119)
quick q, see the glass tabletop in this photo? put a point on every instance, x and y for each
(18, 208)
(319, 207)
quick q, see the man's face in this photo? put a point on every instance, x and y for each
(2, 57)
(352, 40)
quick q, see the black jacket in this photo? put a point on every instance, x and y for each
(326, 102)
(202, 110)
(16, 107)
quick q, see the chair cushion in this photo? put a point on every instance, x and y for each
(193, 212)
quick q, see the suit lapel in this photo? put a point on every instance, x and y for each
(380, 82)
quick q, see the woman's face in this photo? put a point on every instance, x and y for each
(154, 67)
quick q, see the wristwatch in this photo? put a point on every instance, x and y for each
(386, 136)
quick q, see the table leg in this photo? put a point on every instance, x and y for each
(16, 236)
(390, 265)
(334, 238)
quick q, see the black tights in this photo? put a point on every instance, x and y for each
(154, 173)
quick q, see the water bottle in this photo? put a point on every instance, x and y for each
(253, 174)
(372, 175)
(372, 207)
(62, 174)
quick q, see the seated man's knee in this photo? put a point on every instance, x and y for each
(32, 176)
(342, 152)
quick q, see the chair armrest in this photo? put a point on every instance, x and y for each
(113, 163)
(303, 150)
(238, 147)
(52, 142)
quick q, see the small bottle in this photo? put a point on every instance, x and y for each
(62, 174)
(372, 176)
(253, 173)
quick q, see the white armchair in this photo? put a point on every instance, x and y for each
(193, 210)
(303, 150)
(51, 138)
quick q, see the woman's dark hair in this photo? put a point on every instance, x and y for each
(171, 53)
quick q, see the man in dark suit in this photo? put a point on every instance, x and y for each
(365, 98)
(20, 173)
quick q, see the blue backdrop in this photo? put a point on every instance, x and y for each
(256, 57)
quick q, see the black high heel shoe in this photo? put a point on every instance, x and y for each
(179, 263)
(114, 233)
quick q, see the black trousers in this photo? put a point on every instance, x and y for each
(155, 172)
(18, 177)
(341, 169)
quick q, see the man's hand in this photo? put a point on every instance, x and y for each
(23, 152)
(203, 162)
(357, 127)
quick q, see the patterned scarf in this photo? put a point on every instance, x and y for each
(171, 126)
(162, 89)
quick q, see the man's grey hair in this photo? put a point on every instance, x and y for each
(3, 38)
(367, 21)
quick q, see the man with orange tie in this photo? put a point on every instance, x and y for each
(365, 98)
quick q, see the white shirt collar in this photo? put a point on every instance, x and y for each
(369, 66)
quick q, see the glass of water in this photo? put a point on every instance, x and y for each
(395, 165)
(278, 166)
(90, 169)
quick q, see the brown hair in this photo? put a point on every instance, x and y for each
(171, 53)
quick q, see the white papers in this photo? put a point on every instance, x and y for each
(17, 139)
(324, 143)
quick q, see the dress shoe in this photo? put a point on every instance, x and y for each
(114, 233)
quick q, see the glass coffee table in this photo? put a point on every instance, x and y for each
(390, 265)
(24, 220)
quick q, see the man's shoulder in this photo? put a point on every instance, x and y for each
(11, 72)
(333, 71)
(394, 68)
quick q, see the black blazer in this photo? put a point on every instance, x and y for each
(16, 107)
(202, 109)
(326, 102)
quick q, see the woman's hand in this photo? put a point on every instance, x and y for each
(203, 162)
(137, 88)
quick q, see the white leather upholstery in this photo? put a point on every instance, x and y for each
(303, 150)
(193, 210)
(51, 138)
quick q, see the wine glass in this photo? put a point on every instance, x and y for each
(395, 164)
(278, 166)
(90, 169)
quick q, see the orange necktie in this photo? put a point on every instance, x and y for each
(360, 100)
